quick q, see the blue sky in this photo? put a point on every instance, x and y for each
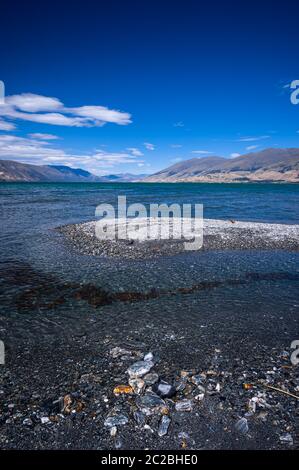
(131, 86)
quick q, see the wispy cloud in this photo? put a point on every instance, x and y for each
(49, 110)
(252, 147)
(149, 146)
(38, 135)
(135, 151)
(201, 152)
(179, 124)
(176, 146)
(252, 139)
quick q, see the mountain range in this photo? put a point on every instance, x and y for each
(11, 171)
(269, 165)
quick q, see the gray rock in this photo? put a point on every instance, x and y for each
(151, 378)
(116, 420)
(139, 417)
(197, 379)
(28, 422)
(140, 368)
(184, 405)
(150, 403)
(164, 390)
(286, 439)
(164, 425)
(242, 426)
(148, 357)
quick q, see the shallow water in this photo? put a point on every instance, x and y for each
(30, 212)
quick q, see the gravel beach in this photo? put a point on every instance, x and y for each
(217, 235)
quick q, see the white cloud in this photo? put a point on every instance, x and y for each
(176, 160)
(235, 155)
(252, 147)
(49, 110)
(102, 114)
(38, 135)
(149, 146)
(179, 124)
(201, 152)
(41, 152)
(6, 126)
(32, 103)
(134, 151)
(252, 139)
(176, 146)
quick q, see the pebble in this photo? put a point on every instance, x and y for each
(139, 417)
(151, 378)
(164, 390)
(116, 420)
(164, 425)
(242, 426)
(184, 405)
(27, 422)
(148, 357)
(150, 403)
(140, 368)
(199, 397)
(45, 420)
(117, 351)
(113, 431)
(123, 389)
(197, 379)
(137, 385)
(286, 439)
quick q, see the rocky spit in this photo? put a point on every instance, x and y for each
(217, 235)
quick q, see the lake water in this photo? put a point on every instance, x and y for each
(30, 245)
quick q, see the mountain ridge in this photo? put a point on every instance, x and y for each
(12, 171)
(278, 165)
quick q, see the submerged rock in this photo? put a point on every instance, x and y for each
(140, 368)
(164, 425)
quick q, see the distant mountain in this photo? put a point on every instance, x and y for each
(268, 165)
(123, 178)
(15, 171)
